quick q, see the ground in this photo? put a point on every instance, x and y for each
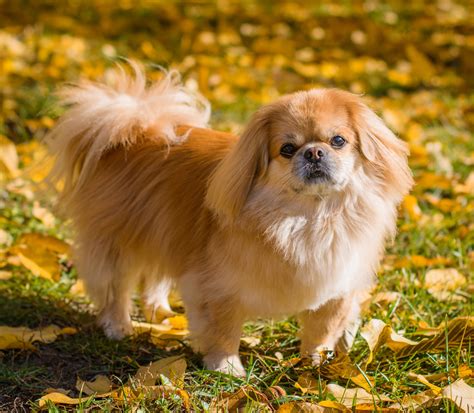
(413, 63)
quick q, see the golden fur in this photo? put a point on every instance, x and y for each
(157, 199)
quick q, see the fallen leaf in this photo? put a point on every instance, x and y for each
(173, 368)
(377, 333)
(100, 385)
(231, 402)
(159, 333)
(303, 407)
(78, 288)
(442, 282)
(250, 341)
(457, 333)
(410, 205)
(354, 396)
(179, 322)
(23, 337)
(8, 158)
(364, 381)
(307, 383)
(339, 367)
(40, 254)
(461, 394)
(59, 398)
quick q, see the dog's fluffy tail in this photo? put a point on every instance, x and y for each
(104, 116)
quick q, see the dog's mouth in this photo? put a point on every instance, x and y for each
(316, 174)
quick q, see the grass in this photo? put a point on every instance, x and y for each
(238, 73)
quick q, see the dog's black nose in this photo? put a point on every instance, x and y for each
(314, 154)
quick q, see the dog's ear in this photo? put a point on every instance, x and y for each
(234, 177)
(385, 154)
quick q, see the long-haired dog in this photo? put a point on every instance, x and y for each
(289, 218)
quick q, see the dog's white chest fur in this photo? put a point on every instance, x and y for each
(299, 263)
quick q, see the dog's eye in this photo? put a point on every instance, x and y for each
(287, 150)
(338, 141)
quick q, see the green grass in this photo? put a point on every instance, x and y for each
(68, 40)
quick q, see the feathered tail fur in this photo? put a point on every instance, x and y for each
(104, 116)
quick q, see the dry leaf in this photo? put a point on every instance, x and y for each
(250, 341)
(461, 394)
(23, 337)
(59, 398)
(440, 283)
(8, 158)
(410, 205)
(159, 332)
(457, 333)
(40, 254)
(173, 368)
(340, 367)
(100, 385)
(78, 288)
(232, 402)
(307, 383)
(364, 381)
(376, 333)
(354, 396)
(303, 407)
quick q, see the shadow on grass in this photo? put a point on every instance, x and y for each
(26, 374)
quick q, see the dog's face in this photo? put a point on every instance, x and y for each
(311, 144)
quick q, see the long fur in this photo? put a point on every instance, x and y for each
(102, 117)
(157, 199)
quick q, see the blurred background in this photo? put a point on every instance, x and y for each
(413, 61)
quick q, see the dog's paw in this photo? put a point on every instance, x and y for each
(320, 357)
(229, 364)
(114, 329)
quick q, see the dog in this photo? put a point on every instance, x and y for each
(290, 218)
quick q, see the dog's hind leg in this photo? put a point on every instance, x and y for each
(110, 288)
(155, 292)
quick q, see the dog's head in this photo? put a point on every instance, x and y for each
(310, 144)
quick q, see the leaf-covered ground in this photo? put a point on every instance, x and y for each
(413, 60)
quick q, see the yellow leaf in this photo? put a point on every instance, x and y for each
(100, 385)
(422, 68)
(461, 394)
(422, 379)
(410, 205)
(78, 288)
(8, 158)
(334, 406)
(443, 281)
(232, 402)
(173, 368)
(159, 332)
(354, 396)
(430, 180)
(302, 407)
(59, 398)
(376, 333)
(179, 322)
(23, 337)
(307, 383)
(364, 381)
(456, 334)
(39, 253)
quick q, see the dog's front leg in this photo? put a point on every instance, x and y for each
(215, 333)
(323, 328)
